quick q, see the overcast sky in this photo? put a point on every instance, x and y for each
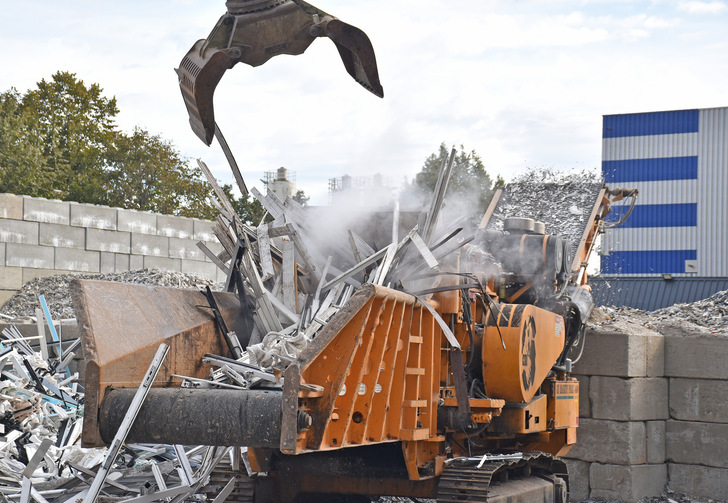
(524, 83)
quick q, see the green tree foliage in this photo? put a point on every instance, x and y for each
(301, 198)
(75, 125)
(22, 168)
(60, 140)
(145, 172)
(249, 209)
(470, 184)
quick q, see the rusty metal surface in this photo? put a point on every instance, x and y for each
(121, 325)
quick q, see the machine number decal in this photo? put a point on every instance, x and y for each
(528, 353)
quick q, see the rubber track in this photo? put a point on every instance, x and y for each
(464, 482)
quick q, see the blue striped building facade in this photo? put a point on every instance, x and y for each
(679, 162)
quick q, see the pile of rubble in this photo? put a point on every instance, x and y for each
(55, 290)
(295, 284)
(709, 314)
(570, 196)
(41, 414)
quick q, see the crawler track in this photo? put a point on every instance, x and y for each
(532, 477)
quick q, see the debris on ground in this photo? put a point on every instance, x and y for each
(706, 315)
(55, 289)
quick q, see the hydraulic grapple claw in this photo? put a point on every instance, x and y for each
(252, 32)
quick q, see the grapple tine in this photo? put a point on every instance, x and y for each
(199, 74)
(252, 32)
(357, 53)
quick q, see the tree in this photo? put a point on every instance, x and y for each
(249, 209)
(301, 198)
(22, 168)
(469, 184)
(76, 127)
(145, 172)
(60, 140)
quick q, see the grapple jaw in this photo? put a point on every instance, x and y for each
(252, 32)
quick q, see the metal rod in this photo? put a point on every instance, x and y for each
(126, 424)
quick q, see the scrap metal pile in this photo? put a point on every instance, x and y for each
(41, 415)
(569, 196)
(297, 271)
(710, 314)
(291, 286)
(23, 303)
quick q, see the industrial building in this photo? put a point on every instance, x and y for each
(674, 246)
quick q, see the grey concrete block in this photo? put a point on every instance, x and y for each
(30, 274)
(629, 399)
(185, 249)
(11, 206)
(11, 278)
(63, 236)
(220, 275)
(175, 227)
(71, 259)
(627, 483)
(136, 262)
(214, 246)
(613, 442)
(621, 352)
(108, 241)
(206, 270)
(2, 254)
(51, 211)
(699, 400)
(136, 221)
(121, 262)
(18, 231)
(203, 230)
(690, 442)
(700, 356)
(36, 257)
(699, 481)
(655, 432)
(584, 402)
(5, 296)
(107, 263)
(144, 244)
(578, 479)
(93, 216)
(162, 263)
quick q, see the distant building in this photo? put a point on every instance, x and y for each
(282, 183)
(674, 246)
(372, 190)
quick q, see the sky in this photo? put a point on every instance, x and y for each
(524, 83)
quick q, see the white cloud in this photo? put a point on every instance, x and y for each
(522, 83)
(703, 7)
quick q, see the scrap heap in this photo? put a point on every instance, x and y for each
(303, 266)
(293, 285)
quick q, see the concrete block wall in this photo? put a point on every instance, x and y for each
(653, 415)
(41, 237)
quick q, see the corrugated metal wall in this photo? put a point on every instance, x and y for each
(679, 162)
